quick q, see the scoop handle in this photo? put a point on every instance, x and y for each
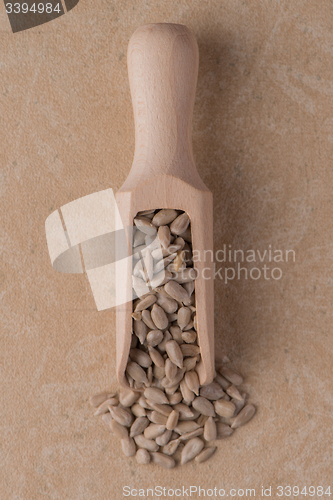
(163, 64)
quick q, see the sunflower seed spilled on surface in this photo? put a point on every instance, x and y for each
(128, 446)
(204, 406)
(224, 408)
(192, 434)
(104, 407)
(212, 391)
(164, 217)
(191, 449)
(98, 399)
(138, 426)
(166, 414)
(187, 426)
(233, 392)
(205, 454)
(118, 429)
(163, 460)
(142, 456)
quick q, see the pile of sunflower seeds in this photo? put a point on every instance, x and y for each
(166, 416)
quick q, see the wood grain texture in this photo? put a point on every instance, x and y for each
(162, 68)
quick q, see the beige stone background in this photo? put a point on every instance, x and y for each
(263, 137)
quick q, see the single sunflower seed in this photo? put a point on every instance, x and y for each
(142, 358)
(146, 318)
(223, 430)
(224, 408)
(188, 395)
(136, 372)
(189, 336)
(170, 369)
(153, 431)
(189, 364)
(185, 275)
(138, 426)
(127, 397)
(140, 329)
(234, 393)
(119, 430)
(171, 447)
(157, 418)
(185, 427)
(164, 236)
(154, 337)
(233, 377)
(172, 420)
(138, 411)
(204, 406)
(144, 225)
(192, 381)
(164, 438)
(189, 350)
(128, 447)
(142, 456)
(163, 460)
(192, 434)
(104, 407)
(243, 416)
(176, 334)
(205, 454)
(191, 449)
(156, 395)
(99, 398)
(169, 305)
(164, 217)
(176, 291)
(159, 317)
(186, 235)
(145, 303)
(156, 357)
(212, 391)
(175, 398)
(165, 409)
(121, 415)
(184, 410)
(180, 224)
(210, 431)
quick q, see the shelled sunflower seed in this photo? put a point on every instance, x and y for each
(166, 417)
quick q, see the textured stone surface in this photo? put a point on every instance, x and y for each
(263, 137)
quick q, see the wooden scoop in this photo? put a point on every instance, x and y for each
(163, 67)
